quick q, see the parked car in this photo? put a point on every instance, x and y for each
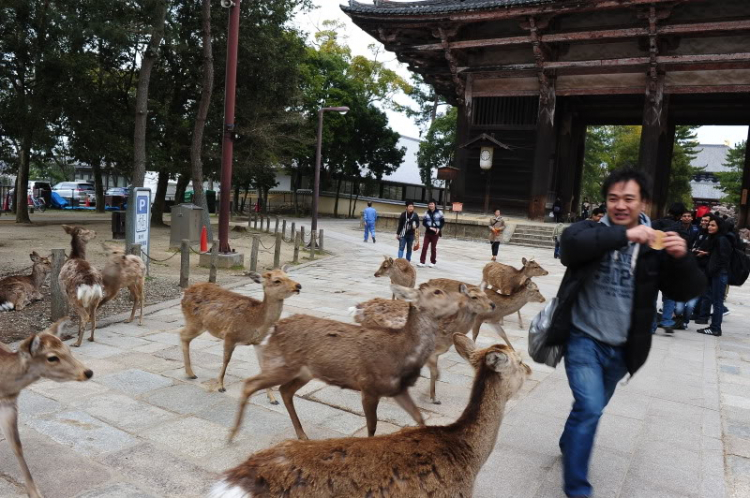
(37, 188)
(74, 191)
(118, 191)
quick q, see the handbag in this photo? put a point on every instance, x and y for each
(539, 351)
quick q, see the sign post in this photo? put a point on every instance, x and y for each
(139, 221)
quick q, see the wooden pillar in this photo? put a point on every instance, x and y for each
(59, 306)
(545, 148)
(744, 215)
(458, 186)
(657, 144)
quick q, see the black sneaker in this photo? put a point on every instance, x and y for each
(668, 330)
(708, 331)
(701, 321)
(373, 240)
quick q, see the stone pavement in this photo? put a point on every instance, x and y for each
(679, 428)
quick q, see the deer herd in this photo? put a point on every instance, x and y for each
(381, 355)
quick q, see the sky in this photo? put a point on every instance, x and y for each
(358, 41)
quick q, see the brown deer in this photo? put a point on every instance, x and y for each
(42, 355)
(386, 313)
(83, 284)
(436, 461)
(399, 270)
(507, 305)
(373, 360)
(124, 271)
(235, 318)
(18, 291)
(505, 279)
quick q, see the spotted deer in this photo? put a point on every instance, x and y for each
(41, 356)
(505, 279)
(399, 270)
(124, 271)
(376, 361)
(507, 305)
(237, 319)
(436, 461)
(83, 284)
(18, 291)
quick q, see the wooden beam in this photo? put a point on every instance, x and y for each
(744, 219)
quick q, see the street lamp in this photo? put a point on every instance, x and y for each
(318, 160)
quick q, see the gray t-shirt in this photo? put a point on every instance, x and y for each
(605, 303)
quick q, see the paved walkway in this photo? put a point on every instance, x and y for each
(680, 428)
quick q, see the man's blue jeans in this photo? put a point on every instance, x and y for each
(667, 314)
(593, 370)
(714, 297)
(406, 242)
(686, 310)
(369, 229)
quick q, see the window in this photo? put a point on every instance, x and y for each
(393, 192)
(414, 194)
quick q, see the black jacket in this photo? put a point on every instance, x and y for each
(413, 223)
(583, 245)
(721, 252)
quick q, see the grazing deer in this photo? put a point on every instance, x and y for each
(124, 271)
(234, 318)
(400, 270)
(373, 360)
(387, 313)
(505, 279)
(507, 305)
(42, 355)
(83, 284)
(19, 291)
(436, 461)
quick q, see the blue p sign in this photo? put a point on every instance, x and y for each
(142, 206)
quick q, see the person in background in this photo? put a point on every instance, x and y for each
(433, 222)
(407, 231)
(557, 210)
(597, 214)
(670, 223)
(556, 237)
(585, 209)
(687, 226)
(497, 227)
(370, 216)
(720, 251)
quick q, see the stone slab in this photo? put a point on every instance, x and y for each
(123, 411)
(118, 490)
(134, 382)
(184, 398)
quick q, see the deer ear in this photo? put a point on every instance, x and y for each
(254, 276)
(35, 257)
(463, 289)
(464, 346)
(30, 346)
(68, 229)
(285, 268)
(406, 293)
(390, 260)
(58, 327)
(497, 361)
(523, 260)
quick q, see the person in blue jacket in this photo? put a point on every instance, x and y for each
(370, 216)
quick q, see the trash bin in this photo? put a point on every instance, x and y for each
(186, 224)
(118, 225)
(188, 197)
(211, 201)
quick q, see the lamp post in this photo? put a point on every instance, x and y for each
(318, 160)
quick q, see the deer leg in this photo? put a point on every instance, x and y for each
(264, 380)
(393, 297)
(287, 395)
(499, 330)
(187, 334)
(432, 363)
(408, 404)
(259, 354)
(81, 326)
(370, 407)
(483, 284)
(142, 296)
(475, 329)
(9, 423)
(134, 296)
(92, 319)
(520, 319)
(229, 346)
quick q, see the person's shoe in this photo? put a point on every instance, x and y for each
(679, 322)
(373, 240)
(420, 265)
(432, 265)
(726, 311)
(668, 330)
(708, 331)
(701, 321)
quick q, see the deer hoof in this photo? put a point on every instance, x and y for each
(222, 390)
(436, 402)
(275, 402)
(129, 321)
(91, 339)
(192, 377)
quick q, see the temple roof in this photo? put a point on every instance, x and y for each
(433, 6)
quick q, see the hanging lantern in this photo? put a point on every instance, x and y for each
(485, 158)
(486, 145)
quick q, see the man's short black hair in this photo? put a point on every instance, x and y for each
(369, 204)
(409, 203)
(432, 201)
(625, 175)
(597, 211)
(677, 209)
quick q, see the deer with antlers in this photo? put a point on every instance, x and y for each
(437, 461)
(124, 271)
(18, 291)
(41, 356)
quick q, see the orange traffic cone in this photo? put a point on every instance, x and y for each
(88, 202)
(204, 239)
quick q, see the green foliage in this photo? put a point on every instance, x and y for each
(439, 146)
(428, 103)
(685, 150)
(731, 181)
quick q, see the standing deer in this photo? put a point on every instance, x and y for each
(505, 279)
(42, 355)
(387, 313)
(507, 305)
(124, 271)
(436, 461)
(18, 291)
(399, 270)
(373, 360)
(83, 284)
(235, 318)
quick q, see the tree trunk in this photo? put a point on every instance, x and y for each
(160, 198)
(295, 186)
(22, 182)
(96, 167)
(435, 104)
(338, 193)
(356, 198)
(196, 147)
(141, 97)
(179, 193)
(236, 198)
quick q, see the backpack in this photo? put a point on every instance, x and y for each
(739, 265)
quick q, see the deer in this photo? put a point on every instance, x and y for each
(124, 271)
(399, 270)
(436, 461)
(235, 318)
(18, 291)
(83, 284)
(374, 360)
(507, 305)
(505, 279)
(389, 313)
(40, 356)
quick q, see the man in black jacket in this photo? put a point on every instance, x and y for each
(606, 307)
(408, 229)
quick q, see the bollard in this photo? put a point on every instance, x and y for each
(320, 240)
(184, 264)
(312, 245)
(268, 224)
(214, 258)
(59, 300)
(277, 252)
(283, 230)
(293, 232)
(296, 248)
(276, 226)
(255, 222)
(302, 235)
(254, 253)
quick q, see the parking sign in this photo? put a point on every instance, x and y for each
(140, 230)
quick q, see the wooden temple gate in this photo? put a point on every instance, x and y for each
(535, 73)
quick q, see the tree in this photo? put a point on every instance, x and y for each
(428, 103)
(731, 181)
(439, 147)
(682, 171)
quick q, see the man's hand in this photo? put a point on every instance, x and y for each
(675, 245)
(641, 234)
(398, 237)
